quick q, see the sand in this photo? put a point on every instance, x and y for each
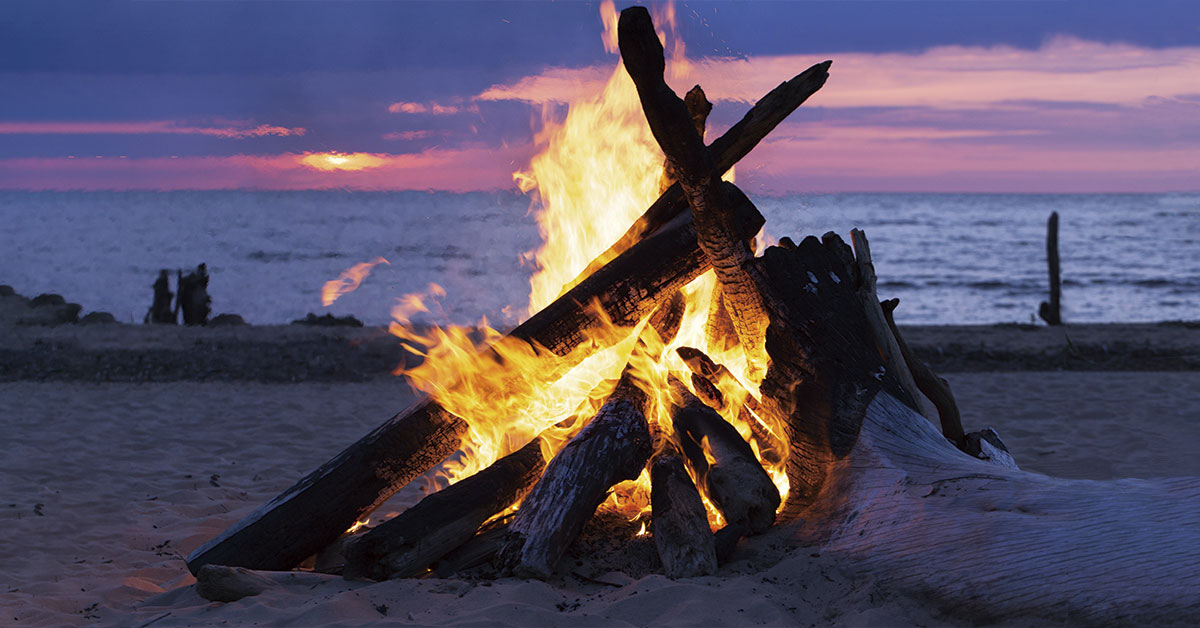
(105, 487)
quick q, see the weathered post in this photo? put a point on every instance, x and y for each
(1050, 312)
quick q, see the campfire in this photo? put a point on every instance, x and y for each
(654, 377)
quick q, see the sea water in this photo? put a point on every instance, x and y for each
(950, 258)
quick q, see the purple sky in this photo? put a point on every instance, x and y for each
(1088, 96)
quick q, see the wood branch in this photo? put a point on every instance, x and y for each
(707, 379)
(324, 504)
(614, 446)
(218, 583)
(935, 388)
(682, 537)
(885, 340)
(694, 167)
(726, 151)
(1051, 312)
(725, 464)
(405, 545)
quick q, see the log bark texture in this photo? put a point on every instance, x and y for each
(320, 507)
(679, 525)
(614, 446)
(707, 379)
(405, 545)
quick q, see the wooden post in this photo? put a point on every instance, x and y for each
(1051, 312)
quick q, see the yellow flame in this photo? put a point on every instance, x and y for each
(348, 281)
(358, 525)
(598, 170)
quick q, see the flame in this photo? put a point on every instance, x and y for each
(598, 170)
(331, 161)
(358, 525)
(348, 281)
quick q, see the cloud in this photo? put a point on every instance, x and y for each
(436, 109)
(1062, 70)
(145, 127)
(413, 135)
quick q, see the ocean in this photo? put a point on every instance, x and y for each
(950, 258)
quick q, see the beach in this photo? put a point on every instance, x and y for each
(114, 473)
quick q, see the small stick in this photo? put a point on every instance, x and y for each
(931, 385)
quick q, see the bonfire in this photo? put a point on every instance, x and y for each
(709, 392)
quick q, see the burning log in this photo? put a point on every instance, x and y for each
(699, 108)
(405, 545)
(726, 465)
(682, 537)
(708, 377)
(321, 506)
(614, 446)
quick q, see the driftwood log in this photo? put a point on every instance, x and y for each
(614, 446)
(679, 522)
(407, 544)
(320, 507)
(934, 387)
(875, 485)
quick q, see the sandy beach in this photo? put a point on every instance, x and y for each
(115, 467)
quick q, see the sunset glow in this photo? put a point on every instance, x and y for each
(342, 161)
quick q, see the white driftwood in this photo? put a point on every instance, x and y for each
(995, 544)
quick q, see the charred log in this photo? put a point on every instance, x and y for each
(405, 545)
(726, 466)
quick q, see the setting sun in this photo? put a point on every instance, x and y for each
(341, 161)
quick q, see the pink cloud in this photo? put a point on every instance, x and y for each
(436, 109)
(145, 127)
(413, 135)
(456, 170)
(1062, 70)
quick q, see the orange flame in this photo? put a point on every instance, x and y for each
(598, 171)
(348, 281)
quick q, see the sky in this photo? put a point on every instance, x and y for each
(925, 96)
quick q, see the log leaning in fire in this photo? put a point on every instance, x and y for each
(405, 545)
(696, 170)
(321, 506)
(885, 340)
(726, 465)
(706, 375)
(680, 529)
(614, 446)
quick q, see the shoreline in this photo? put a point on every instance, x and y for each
(117, 352)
